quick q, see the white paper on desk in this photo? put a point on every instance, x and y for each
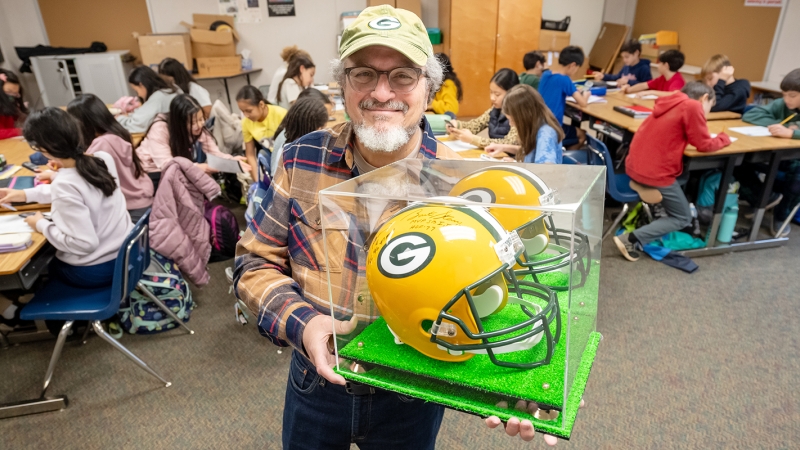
(733, 139)
(592, 99)
(644, 97)
(752, 131)
(459, 146)
(223, 165)
(13, 223)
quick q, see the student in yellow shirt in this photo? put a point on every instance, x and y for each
(448, 96)
(259, 123)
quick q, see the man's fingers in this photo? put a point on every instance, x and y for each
(550, 440)
(583, 403)
(325, 371)
(512, 426)
(526, 430)
(346, 327)
(493, 422)
(521, 405)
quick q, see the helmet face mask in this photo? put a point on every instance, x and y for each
(435, 274)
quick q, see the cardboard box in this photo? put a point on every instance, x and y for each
(414, 6)
(207, 43)
(155, 47)
(226, 65)
(651, 51)
(667, 38)
(553, 41)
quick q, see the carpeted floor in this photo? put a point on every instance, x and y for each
(708, 360)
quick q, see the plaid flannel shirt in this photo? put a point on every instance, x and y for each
(280, 270)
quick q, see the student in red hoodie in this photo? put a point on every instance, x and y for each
(12, 108)
(655, 159)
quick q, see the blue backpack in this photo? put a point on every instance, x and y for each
(139, 315)
(258, 190)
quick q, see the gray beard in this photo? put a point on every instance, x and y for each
(384, 141)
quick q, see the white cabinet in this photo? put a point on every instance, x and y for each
(62, 77)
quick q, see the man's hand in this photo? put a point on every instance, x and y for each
(522, 428)
(780, 131)
(316, 338)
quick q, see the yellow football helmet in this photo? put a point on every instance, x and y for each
(513, 185)
(436, 271)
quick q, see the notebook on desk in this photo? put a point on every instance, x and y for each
(635, 111)
(17, 183)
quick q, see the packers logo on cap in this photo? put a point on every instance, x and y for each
(406, 255)
(385, 23)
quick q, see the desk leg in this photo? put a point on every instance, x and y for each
(248, 79)
(227, 94)
(772, 172)
(719, 205)
(37, 406)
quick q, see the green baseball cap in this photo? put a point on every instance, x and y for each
(390, 27)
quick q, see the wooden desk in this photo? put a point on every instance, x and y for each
(17, 151)
(743, 144)
(225, 78)
(338, 117)
(136, 139)
(11, 263)
(769, 89)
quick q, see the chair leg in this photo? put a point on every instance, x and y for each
(98, 328)
(143, 289)
(86, 332)
(62, 337)
(788, 219)
(616, 222)
(4, 341)
(647, 211)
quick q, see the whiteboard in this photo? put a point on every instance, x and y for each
(785, 57)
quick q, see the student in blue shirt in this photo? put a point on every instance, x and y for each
(634, 71)
(556, 85)
(540, 134)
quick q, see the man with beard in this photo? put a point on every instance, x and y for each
(388, 74)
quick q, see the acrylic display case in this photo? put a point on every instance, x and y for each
(470, 284)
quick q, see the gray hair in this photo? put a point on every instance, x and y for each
(434, 74)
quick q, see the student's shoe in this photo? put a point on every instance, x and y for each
(628, 249)
(774, 199)
(775, 224)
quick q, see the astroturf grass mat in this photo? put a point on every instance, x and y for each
(543, 385)
(482, 403)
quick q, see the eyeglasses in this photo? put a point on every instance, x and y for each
(401, 79)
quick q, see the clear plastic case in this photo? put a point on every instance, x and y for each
(468, 283)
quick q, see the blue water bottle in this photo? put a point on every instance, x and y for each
(727, 224)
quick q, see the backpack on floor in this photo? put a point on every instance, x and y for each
(139, 315)
(224, 232)
(258, 190)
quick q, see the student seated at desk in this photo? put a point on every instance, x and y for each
(104, 134)
(173, 72)
(786, 191)
(556, 85)
(156, 95)
(535, 64)
(89, 219)
(781, 116)
(448, 96)
(636, 70)
(182, 132)
(286, 55)
(670, 81)
(732, 94)
(655, 159)
(299, 75)
(12, 108)
(500, 131)
(540, 134)
(308, 114)
(259, 123)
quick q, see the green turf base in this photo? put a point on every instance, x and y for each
(477, 402)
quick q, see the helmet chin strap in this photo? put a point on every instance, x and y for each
(535, 245)
(488, 302)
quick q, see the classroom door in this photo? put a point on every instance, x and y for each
(78, 23)
(473, 30)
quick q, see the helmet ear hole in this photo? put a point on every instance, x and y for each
(426, 326)
(489, 301)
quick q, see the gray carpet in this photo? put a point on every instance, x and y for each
(708, 360)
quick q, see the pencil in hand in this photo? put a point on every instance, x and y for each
(786, 120)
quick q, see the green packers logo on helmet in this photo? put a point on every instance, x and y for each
(406, 255)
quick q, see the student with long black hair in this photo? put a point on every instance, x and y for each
(299, 76)
(500, 131)
(89, 219)
(12, 108)
(173, 72)
(156, 94)
(308, 114)
(259, 124)
(182, 132)
(101, 133)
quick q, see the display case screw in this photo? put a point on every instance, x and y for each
(583, 304)
(575, 318)
(546, 386)
(360, 345)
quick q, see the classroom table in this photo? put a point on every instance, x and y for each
(760, 89)
(17, 151)
(225, 78)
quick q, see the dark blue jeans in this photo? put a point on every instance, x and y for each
(321, 415)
